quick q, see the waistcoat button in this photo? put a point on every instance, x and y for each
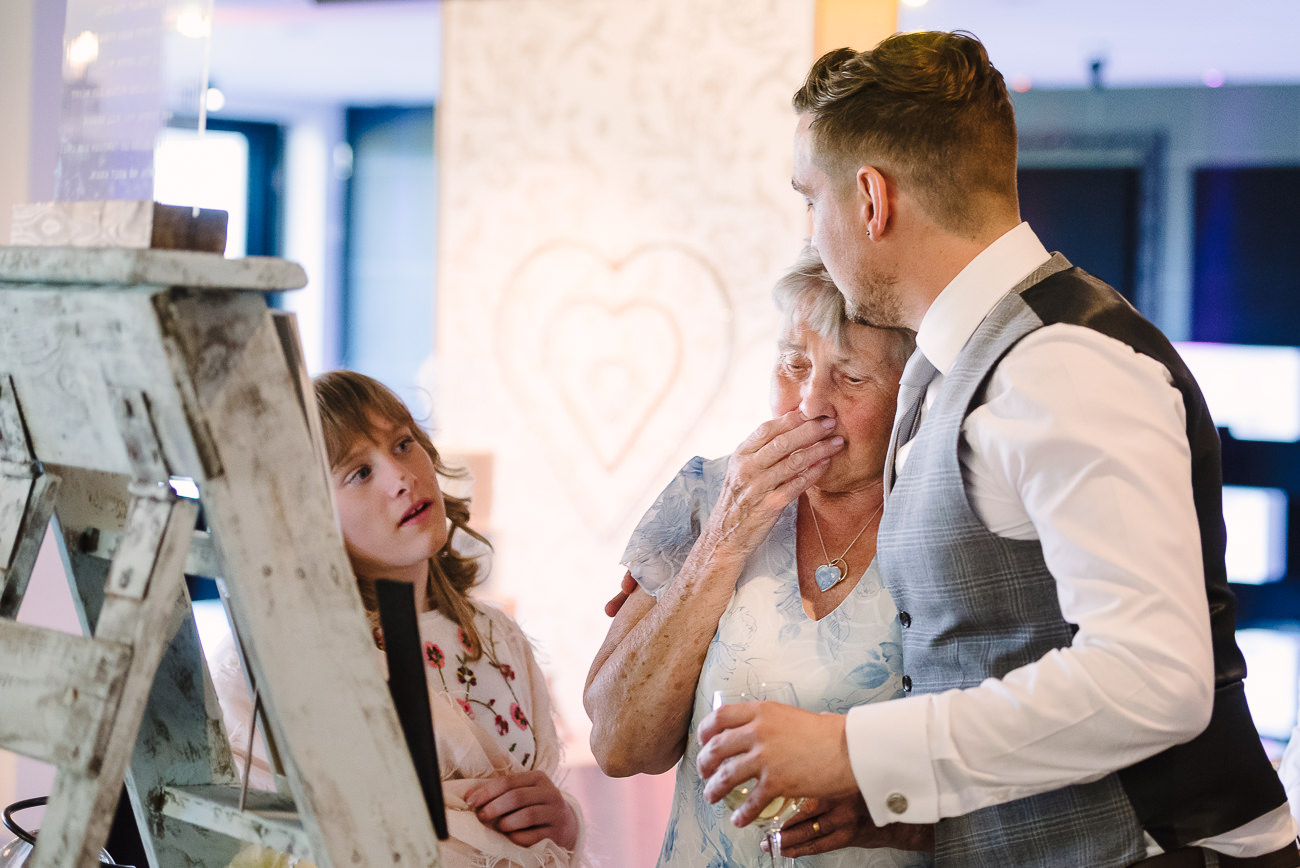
(907, 684)
(905, 619)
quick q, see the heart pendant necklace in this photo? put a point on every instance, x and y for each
(828, 575)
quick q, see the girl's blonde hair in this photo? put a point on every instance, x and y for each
(347, 401)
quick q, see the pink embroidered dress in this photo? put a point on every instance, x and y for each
(487, 690)
(491, 716)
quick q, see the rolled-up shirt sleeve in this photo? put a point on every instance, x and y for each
(1081, 443)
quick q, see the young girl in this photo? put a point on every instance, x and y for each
(497, 745)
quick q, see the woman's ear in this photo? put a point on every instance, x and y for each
(872, 191)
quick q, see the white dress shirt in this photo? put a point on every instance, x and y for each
(1081, 443)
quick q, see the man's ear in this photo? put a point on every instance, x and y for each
(872, 192)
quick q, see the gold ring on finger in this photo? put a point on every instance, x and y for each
(817, 827)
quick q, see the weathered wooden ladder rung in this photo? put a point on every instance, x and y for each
(270, 819)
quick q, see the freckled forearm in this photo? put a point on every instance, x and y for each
(641, 690)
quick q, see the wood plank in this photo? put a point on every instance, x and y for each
(200, 560)
(222, 393)
(181, 738)
(270, 819)
(62, 352)
(101, 269)
(58, 690)
(14, 494)
(181, 742)
(295, 604)
(35, 521)
(286, 328)
(88, 501)
(15, 450)
(134, 418)
(18, 472)
(81, 804)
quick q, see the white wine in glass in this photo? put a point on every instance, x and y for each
(782, 809)
(778, 812)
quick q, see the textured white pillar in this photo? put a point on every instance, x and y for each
(15, 105)
(30, 42)
(615, 206)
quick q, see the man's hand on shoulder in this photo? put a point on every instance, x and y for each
(625, 590)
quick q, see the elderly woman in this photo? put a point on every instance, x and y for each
(759, 567)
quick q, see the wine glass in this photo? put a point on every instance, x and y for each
(782, 809)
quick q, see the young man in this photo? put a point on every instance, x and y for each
(1053, 534)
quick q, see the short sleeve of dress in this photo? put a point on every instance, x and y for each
(659, 545)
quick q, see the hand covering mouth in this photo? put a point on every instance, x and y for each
(417, 510)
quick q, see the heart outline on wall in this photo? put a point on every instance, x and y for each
(614, 361)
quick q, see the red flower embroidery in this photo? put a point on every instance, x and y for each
(503, 725)
(518, 714)
(506, 671)
(434, 655)
(465, 675)
(464, 706)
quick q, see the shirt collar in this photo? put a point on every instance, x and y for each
(967, 299)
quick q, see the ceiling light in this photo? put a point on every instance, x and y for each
(192, 23)
(83, 50)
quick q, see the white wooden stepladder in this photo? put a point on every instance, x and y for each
(121, 369)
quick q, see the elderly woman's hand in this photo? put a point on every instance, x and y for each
(775, 464)
(832, 823)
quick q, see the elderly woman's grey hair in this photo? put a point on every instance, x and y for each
(807, 294)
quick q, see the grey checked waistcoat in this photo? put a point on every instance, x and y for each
(978, 606)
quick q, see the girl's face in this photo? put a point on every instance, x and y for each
(390, 507)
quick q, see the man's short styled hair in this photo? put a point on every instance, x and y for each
(930, 111)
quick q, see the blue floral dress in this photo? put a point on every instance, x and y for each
(851, 656)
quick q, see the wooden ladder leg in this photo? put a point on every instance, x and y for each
(296, 607)
(181, 741)
(26, 503)
(144, 581)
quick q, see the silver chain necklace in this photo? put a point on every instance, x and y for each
(829, 574)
